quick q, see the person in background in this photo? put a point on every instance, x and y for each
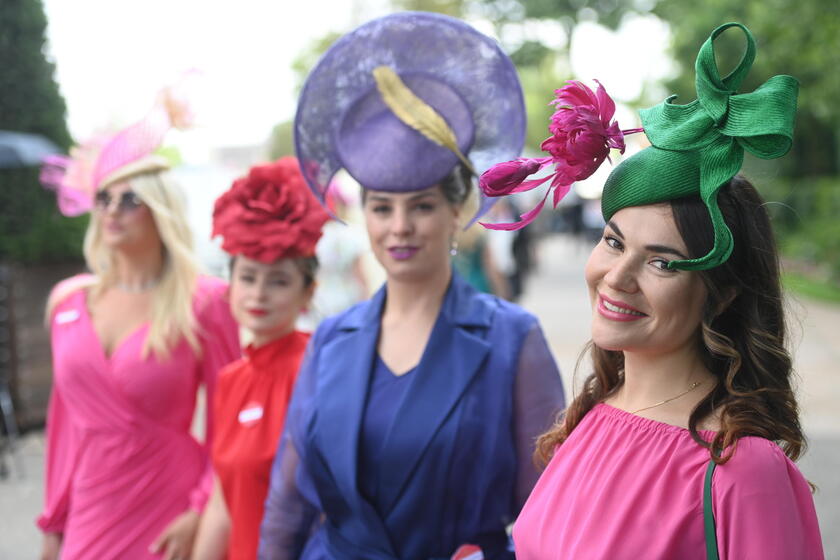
(270, 223)
(412, 425)
(475, 260)
(681, 443)
(132, 342)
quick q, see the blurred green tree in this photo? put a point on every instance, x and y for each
(308, 57)
(31, 229)
(282, 140)
(454, 8)
(803, 41)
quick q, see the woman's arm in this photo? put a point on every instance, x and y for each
(64, 444)
(288, 516)
(219, 337)
(538, 398)
(176, 541)
(289, 508)
(51, 546)
(763, 506)
(63, 448)
(214, 527)
(219, 346)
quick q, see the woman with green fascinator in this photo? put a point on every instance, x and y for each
(682, 440)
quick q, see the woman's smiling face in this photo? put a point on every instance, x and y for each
(638, 304)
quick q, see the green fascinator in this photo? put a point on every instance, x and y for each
(697, 148)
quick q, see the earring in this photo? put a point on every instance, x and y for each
(453, 247)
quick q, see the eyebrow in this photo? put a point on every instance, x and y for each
(413, 198)
(652, 248)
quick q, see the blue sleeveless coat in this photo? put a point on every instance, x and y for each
(455, 466)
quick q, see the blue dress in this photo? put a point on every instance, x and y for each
(454, 466)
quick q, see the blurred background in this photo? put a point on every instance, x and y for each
(71, 69)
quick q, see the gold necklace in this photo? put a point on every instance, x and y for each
(660, 403)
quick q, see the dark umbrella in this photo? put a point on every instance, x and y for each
(20, 149)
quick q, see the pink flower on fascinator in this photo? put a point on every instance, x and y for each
(582, 136)
(71, 177)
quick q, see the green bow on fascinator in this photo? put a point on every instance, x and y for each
(697, 148)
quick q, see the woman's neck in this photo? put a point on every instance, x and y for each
(138, 269)
(665, 385)
(416, 298)
(260, 339)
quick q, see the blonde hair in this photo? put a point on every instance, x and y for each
(172, 308)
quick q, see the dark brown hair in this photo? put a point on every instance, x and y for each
(743, 335)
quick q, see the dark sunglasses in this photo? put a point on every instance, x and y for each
(127, 202)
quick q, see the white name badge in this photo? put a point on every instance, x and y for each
(250, 415)
(66, 316)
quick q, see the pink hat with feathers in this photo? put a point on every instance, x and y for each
(107, 159)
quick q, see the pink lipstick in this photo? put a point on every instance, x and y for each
(618, 311)
(402, 253)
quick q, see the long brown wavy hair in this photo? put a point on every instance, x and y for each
(742, 335)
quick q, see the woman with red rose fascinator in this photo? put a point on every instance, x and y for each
(682, 441)
(131, 342)
(412, 426)
(270, 223)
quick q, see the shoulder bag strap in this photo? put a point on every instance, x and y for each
(708, 515)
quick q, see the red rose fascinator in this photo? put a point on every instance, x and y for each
(270, 214)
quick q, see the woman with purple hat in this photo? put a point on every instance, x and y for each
(414, 415)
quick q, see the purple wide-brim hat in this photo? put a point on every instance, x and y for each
(342, 121)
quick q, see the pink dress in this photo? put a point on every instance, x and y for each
(626, 487)
(121, 463)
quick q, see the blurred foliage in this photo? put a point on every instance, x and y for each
(805, 214)
(454, 8)
(807, 286)
(31, 229)
(803, 41)
(282, 141)
(569, 12)
(538, 83)
(308, 57)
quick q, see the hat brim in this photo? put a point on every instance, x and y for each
(469, 62)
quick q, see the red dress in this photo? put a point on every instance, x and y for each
(250, 407)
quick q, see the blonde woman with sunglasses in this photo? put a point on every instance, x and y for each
(132, 342)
